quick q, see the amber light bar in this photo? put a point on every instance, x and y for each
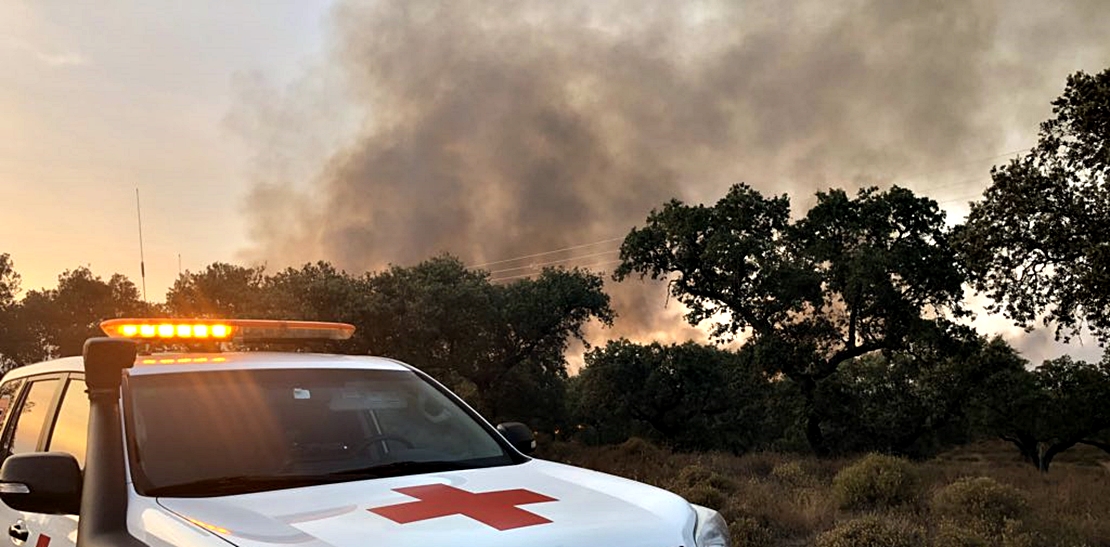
(185, 330)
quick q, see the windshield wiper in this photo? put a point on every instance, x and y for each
(238, 484)
(396, 469)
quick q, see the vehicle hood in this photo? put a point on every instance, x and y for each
(537, 503)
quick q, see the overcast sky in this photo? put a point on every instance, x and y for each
(262, 132)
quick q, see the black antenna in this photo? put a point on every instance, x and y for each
(142, 259)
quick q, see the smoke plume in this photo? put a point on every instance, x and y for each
(498, 129)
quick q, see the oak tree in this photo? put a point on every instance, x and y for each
(854, 275)
(1038, 243)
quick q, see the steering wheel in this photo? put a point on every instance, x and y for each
(386, 437)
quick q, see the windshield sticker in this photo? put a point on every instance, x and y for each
(299, 393)
(496, 509)
(374, 400)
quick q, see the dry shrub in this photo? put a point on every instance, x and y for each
(749, 532)
(704, 495)
(702, 486)
(982, 502)
(1013, 533)
(635, 446)
(793, 474)
(784, 513)
(694, 475)
(635, 459)
(982, 511)
(759, 464)
(876, 482)
(953, 534)
(764, 506)
(872, 531)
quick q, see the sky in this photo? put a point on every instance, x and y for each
(378, 132)
(98, 102)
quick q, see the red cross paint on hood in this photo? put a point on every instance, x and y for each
(538, 504)
(497, 509)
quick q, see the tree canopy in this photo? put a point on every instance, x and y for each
(855, 275)
(1050, 409)
(221, 290)
(452, 321)
(9, 281)
(689, 396)
(56, 322)
(502, 345)
(9, 289)
(1036, 243)
(910, 402)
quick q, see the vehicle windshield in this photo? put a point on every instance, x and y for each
(211, 433)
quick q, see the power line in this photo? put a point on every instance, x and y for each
(533, 274)
(916, 175)
(951, 167)
(572, 247)
(550, 262)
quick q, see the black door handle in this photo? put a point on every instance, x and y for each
(18, 533)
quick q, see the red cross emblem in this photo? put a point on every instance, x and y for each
(497, 509)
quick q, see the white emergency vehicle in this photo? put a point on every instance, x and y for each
(203, 448)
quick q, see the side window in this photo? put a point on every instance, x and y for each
(9, 391)
(31, 417)
(72, 425)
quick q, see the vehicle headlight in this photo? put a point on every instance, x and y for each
(711, 530)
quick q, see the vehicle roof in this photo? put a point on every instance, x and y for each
(163, 363)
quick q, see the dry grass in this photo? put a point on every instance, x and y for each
(788, 500)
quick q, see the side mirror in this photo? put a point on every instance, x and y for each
(518, 435)
(42, 482)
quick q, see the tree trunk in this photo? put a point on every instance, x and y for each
(1053, 450)
(1038, 453)
(814, 436)
(1043, 461)
(1029, 449)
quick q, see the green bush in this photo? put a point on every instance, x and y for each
(876, 481)
(981, 501)
(872, 531)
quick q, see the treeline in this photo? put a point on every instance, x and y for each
(502, 347)
(850, 316)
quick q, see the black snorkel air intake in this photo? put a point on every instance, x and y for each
(103, 520)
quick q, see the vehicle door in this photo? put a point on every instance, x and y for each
(48, 412)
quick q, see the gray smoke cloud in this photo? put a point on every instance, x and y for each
(496, 129)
